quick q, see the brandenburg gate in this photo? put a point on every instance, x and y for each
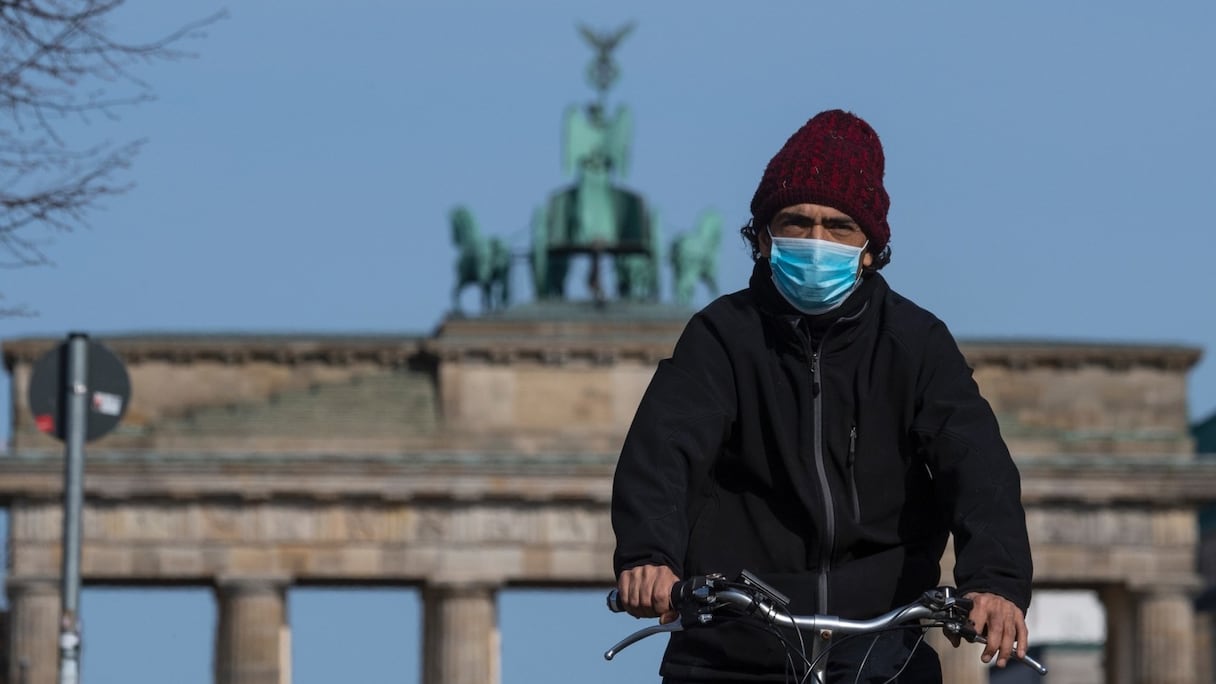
(481, 457)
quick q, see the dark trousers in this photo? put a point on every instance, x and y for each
(892, 656)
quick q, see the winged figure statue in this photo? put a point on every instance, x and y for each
(595, 142)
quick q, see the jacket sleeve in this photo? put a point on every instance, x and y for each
(680, 425)
(974, 476)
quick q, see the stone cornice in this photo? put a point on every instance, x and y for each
(1063, 354)
(435, 476)
(537, 477)
(552, 351)
(554, 342)
(286, 349)
(1117, 481)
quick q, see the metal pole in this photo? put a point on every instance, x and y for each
(75, 396)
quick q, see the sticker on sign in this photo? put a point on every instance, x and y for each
(107, 404)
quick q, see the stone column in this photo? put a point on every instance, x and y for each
(1205, 671)
(1121, 635)
(460, 635)
(1166, 623)
(252, 639)
(33, 648)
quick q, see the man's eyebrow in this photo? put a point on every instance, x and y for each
(831, 221)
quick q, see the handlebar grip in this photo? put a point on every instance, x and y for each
(682, 591)
(614, 602)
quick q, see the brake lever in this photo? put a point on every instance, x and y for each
(944, 599)
(968, 632)
(675, 626)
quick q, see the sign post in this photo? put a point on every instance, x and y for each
(73, 501)
(78, 391)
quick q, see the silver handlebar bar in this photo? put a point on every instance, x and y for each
(747, 602)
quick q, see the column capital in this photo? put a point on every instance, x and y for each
(1187, 587)
(252, 584)
(24, 586)
(462, 586)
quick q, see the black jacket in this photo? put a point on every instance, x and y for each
(830, 455)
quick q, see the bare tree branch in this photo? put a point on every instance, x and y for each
(60, 59)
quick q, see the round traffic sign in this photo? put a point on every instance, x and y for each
(107, 385)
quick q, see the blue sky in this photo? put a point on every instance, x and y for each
(1049, 165)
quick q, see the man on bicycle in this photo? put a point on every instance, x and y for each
(823, 432)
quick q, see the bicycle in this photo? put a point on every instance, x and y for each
(703, 599)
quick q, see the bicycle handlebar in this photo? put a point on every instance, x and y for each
(697, 599)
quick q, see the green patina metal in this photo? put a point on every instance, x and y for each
(481, 261)
(694, 257)
(1204, 433)
(594, 217)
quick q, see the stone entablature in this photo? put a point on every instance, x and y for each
(405, 543)
(316, 477)
(539, 519)
(1046, 481)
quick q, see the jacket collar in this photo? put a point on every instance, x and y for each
(855, 309)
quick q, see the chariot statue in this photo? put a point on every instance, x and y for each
(595, 216)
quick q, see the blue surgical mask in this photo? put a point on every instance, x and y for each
(815, 276)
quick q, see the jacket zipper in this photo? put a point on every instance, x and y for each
(853, 474)
(828, 547)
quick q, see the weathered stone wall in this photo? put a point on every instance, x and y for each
(344, 541)
(1140, 546)
(1089, 409)
(482, 456)
(235, 395)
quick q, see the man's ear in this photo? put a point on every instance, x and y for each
(877, 261)
(765, 242)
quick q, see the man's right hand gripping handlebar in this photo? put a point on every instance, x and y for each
(645, 592)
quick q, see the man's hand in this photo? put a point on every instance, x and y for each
(1004, 623)
(645, 591)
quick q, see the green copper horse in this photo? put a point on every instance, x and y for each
(694, 257)
(484, 262)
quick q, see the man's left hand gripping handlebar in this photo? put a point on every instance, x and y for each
(645, 592)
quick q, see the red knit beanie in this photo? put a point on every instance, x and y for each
(835, 160)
